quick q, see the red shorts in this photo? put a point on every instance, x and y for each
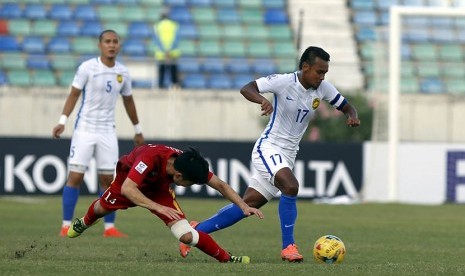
(113, 200)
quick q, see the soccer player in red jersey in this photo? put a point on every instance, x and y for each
(143, 178)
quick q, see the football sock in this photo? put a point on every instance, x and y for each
(210, 247)
(90, 216)
(69, 200)
(110, 218)
(287, 214)
(226, 216)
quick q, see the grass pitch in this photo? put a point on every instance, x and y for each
(381, 239)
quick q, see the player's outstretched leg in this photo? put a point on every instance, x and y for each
(207, 245)
(77, 227)
(288, 214)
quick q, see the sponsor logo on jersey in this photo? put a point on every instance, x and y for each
(270, 77)
(141, 167)
(119, 78)
(315, 103)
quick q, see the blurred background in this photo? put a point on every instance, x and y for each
(224, 45)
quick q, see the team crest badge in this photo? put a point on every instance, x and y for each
(119, 78)
(316, 103)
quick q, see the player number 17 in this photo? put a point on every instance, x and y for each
(301, 113)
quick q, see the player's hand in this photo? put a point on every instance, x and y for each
(353, 122)
(139, 139)
(168, 212)
(267, 107)
(253, 211)
(58, 130)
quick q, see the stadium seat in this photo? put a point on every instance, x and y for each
(234, 48)
(34, 11)
(384, 5)
(65, 78)
(239, 66)
(12, 61)
(19, 78)
(274, 4)
(276, 16)
(209, 48)
(68, 28)
(140, 30)
(432, 86)
(365, 33)
(91, 28)
(199, 3)
(60, 12)
(85, 12)
(133, 13)
(233, 32)
(263, 67)
(287, 65)
(189, 65)
(109, 13)
(188, 48)
(453, 70)
(63, 63)
(37, 62)
(365, 18)
(213, 65)
(247, 4)
(194, 81)
(362, 4)
(456, 86)
(9, 43)
(33, 44)
(126, 2)
(409, 85)
(418, 3)
(19, 27)
(188, 31)
(3, 78)
(118, 26)
(134, 47)
(260, 49)
(443, 35)
(284, 49)
(151, 3)
(415, 34)
(280, 32)
(424, 52)
(228, 15)
(43, 28)
(251, 16)
(11, 11)
(84, 45)
(175, 3)
(256, 32)
(220, 81)
(209, 31)
(181, 15)
(428, 69)
(204, 15)
(239, 80)
(224, 3)
(43, 78)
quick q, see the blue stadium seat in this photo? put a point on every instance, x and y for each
(276, 16)
(85, 12)
(220, 81)
(9, 43)
(365, 18)
(189, 65)
(181, 15)
(3, 78)
(127, 2)
(175, 3)
(140, 30)
(213, 65)
(199, 3)
(362, 4)
(37, 62)
(228, 15)
(11, 11)
(417, 3)
(35, 11)
(240, 80)
(443, 35)
(194, 81)
(263, 67)
(224, 3)
(134, 47)
(274, 4)
(60, 12)
(366, 33)
(68, 28)
(238, 65)
(33, 44)
(91, 28)
(188, 31)
(142, 84)
(59, 45)
(101, 2)
(432, 86)
(384, 5)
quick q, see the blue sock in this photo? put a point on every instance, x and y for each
(110, 218)
(68, 201)
(288, 215)
(226, 216)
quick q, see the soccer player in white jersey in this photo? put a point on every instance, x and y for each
(296, 96)
(100, 80)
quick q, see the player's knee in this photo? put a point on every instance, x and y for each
(185, 233)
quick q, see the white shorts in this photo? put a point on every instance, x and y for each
(267, 160)
(102, 146)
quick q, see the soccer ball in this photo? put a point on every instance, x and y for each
(329, 249)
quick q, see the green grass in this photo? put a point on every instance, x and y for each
(381, 239)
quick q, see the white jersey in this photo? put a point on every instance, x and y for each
(293, 106)
(100, 87)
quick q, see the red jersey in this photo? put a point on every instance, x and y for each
(146, 165)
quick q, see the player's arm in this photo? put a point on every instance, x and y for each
(351, 114)
(70, 103)
(131, 191)
(250, 92)
(222, 187)
(130, 106)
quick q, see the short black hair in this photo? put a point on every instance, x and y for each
(100, 37)
(311, 53)
(192, 166)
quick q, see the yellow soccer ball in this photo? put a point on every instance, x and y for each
(329, 249)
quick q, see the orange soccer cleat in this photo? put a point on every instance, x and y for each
(184, 249)
(114, 233)
(291, 254)
(64, 230)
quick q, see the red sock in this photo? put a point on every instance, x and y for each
(90, 216)
(210, 247)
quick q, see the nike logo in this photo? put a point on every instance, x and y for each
(217, 227)
(287, 226)
(289, 99)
